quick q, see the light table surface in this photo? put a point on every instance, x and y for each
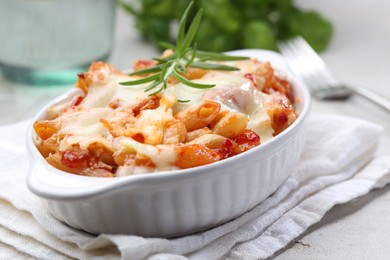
(359, 54)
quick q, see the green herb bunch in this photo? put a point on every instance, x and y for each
(233, 24)
(185, 54)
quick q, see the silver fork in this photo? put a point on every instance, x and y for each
(308, 66)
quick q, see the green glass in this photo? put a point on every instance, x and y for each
(47, 42)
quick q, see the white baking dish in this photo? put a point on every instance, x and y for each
(172, 203)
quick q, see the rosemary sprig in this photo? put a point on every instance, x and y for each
(184, 55)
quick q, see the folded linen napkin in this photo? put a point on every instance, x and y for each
(337, 165)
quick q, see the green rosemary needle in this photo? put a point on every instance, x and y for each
(184, 55)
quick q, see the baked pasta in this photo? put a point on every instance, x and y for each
(112, 130)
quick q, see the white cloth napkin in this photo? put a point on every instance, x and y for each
(338, 165)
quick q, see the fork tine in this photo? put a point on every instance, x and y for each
(315, 59)
(309, 66)
(306, 63)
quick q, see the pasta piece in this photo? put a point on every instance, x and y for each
(193, 155)
(121, 158)
(114, 129)
(45, 129)
(84, 81)
(269, 82)
(212, 141)
(197, 133)
(144, 122)
(82, 162)
(282, 114)
(149, 127)
(118, 120)
(102, 152)
(98, 72)
(134, 159)
(129, 150)
(230, 125)
(226, 147)
(174, 132)
(47, 146)
(199, 116)
(79, 163)
(55, 161)
(194, 73)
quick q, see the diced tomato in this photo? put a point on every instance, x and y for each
(280, 115)
(75, 160)
(227, 150)
(75, 103)
(247, 140)
(87, 163)
(139, 137)
(78, 101)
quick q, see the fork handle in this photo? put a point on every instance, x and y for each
(373, 97)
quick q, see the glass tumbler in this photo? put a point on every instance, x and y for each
(47, 42)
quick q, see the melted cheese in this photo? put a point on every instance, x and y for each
(163, 156)
(113, 92)
(129, 95)
(234, 93)
(84, 128)
(82, 125)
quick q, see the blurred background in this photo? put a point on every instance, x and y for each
(46, 42)
(231, 24)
